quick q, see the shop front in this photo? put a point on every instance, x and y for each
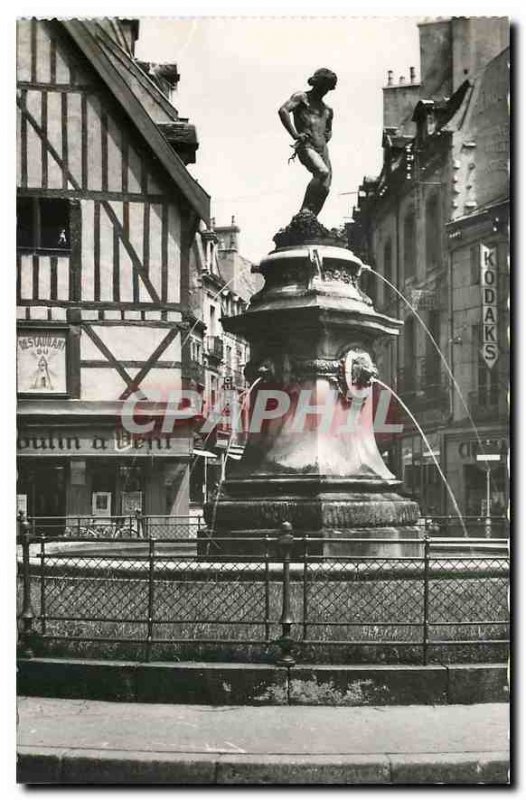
(482, 467)
(421, 475)
(70, 471)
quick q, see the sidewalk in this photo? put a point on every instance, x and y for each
(82, 741)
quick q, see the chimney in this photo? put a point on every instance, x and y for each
(389, 77)
(412, 74)
(233, 220)
(401, 80)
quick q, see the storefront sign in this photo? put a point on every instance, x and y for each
(470, 450)
(41, 362)
(58, 442)
(488, 285)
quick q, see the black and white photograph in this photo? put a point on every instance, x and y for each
(262, 333)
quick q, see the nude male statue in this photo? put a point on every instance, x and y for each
(311, 128)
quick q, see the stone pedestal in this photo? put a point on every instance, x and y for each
(311, 332)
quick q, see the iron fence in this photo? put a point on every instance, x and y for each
(493, 527)
(130, 526)
(402, 600)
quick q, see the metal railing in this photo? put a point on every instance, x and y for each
(215, 347)
(288, 598)
(131, 526)
(490, 528)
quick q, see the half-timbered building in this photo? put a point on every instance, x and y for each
(106, 216)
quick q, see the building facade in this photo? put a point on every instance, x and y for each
(106, 217)
(221, 286)
(434, 224)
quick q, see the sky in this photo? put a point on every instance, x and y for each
(236, 72)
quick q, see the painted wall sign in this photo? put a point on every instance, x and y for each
(56, 442)
(41, 362)
(488, 286)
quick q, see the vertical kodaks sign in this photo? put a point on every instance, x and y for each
(488, 285)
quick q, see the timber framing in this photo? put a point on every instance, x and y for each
(83, 37)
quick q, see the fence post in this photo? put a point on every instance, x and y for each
(426, 600)
(151, 564)
(305, 585)
(27, 634)
(139, 523)
(267, 589)
(42, 584)
(285, 542)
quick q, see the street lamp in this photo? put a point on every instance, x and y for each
(487, 458)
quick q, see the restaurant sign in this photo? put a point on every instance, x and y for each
(41, 362)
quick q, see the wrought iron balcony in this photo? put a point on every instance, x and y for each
(215, 347)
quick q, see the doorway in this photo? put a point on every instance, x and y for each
(43, 482)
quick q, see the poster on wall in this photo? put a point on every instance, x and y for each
(21, 504)
(130, 503)
(41, 362)
(101, 504)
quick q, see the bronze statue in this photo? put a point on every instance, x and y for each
(311, 130)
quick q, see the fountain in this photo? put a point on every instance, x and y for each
(313, 461)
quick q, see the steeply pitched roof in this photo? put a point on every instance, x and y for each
(141, 100)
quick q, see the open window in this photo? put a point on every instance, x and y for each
(43, 224)
(410, 244)
(433, 230)
(388, 260)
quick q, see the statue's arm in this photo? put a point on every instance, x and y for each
(285, 113)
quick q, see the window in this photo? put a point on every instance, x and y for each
(43, 224)
(407, 375)
(388, 260)
(432, 365)
(474, 257)
(432, 231)
(409, 244)
(196, 353)
(212, 321)
(409, 343)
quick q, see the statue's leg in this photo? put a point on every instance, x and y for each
(318, 187)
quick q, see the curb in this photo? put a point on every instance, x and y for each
(259, 684)
(48, 765)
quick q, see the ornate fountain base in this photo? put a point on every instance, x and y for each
(311, 457)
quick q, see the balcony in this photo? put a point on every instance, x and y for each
(215, 348)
